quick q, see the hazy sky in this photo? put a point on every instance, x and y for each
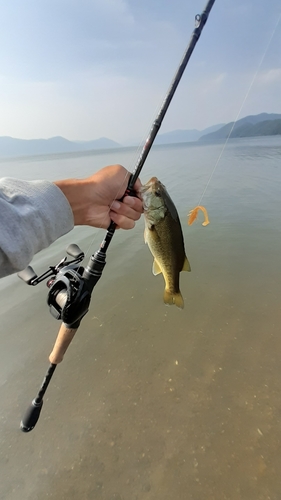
(85, 69)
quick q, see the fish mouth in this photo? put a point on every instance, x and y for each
(145, 193)
(151, 184)
(148, 185)
(146, 196)
(148, 190)
(144, 189)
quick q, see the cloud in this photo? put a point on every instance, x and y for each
(117, 10)
(90, 107)
(102, 67)
(213, 83)
(47, 40)
(270, 76)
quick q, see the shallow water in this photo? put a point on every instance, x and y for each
(151, 401)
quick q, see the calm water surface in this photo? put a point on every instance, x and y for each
(152, 402)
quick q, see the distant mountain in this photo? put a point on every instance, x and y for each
(21, 147)
(250, 126)
(267, 127)
(102, 143)
(177, 136)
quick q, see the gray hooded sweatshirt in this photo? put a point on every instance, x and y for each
(33, 214)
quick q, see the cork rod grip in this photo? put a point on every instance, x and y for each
(63, 340)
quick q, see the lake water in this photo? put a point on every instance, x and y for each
(152, 402)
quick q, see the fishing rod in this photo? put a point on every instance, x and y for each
(70, 285)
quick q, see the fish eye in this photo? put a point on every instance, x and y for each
(157, 193)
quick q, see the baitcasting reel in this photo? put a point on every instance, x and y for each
(69, 296)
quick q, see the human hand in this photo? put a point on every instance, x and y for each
(95, 200)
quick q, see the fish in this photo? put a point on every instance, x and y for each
(163, 234)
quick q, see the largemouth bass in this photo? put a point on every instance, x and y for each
(163, 234)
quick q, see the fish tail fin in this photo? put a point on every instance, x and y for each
(171, 298)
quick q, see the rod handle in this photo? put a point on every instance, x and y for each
(63, 340)
(31, 416)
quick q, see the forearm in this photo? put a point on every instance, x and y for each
(81, 195)
(33, 214)
(93, 200)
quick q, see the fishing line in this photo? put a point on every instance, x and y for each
(240, 109)
(134, 157)
(70, 293)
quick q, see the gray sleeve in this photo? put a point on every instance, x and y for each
(33, 214)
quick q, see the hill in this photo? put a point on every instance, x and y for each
(21, 147)
(249, 126)
(267, 127)
(177, 136)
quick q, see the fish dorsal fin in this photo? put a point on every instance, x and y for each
(156, 268)
(169, 204)
(186, 265)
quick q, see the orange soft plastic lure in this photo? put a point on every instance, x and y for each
(194, 213)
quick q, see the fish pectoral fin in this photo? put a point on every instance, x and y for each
(145, 235)
(156, 268)
(186, 265)
(173, 298)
